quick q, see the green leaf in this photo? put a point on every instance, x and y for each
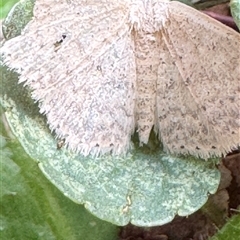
(18, 17)
(235, 11)
(5, 6)
(32, 208)
(230, 231)
(146, 187)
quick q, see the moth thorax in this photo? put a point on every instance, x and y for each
(149, 15)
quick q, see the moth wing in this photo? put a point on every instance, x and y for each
(198, 97)
(77, 57)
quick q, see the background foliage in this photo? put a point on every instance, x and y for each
(5, 6)
(37, 209)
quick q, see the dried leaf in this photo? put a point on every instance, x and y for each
(100, 69)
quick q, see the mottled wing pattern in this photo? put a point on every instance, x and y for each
(198, 98)
(77, 57)
(99, 67)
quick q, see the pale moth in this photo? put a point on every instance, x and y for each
(102, 69)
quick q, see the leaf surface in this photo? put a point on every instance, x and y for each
(32, 208)
(235, 11)
(146, 187)
(230, 231)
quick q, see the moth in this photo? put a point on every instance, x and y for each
(101, 69)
